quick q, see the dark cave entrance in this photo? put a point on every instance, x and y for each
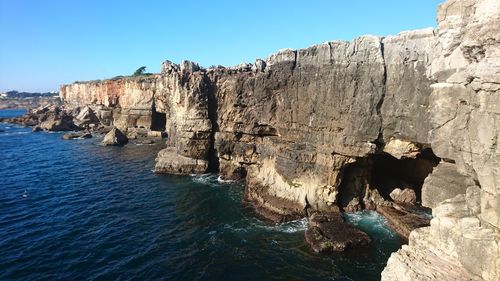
(158, 120)
(389, 172)
(385, 173)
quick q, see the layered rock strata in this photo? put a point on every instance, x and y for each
(344, 124)
(463, 241)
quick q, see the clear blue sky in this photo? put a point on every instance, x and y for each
(48, 43)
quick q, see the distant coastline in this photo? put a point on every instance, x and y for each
(27, 100)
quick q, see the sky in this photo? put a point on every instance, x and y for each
(44, 44)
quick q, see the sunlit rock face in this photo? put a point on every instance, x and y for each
(295, 126)
(125, 103)
(463, 240)
(343, 125)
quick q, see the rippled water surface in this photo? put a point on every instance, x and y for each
(76, 210)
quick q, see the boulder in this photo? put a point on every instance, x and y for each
(56, 122)
(328, 232)
(147, 141)
(259, 66)
(169, 161)
(86, 136)
(86, 117)
(70, 136)
(114, 137)
(189, 66)
(406, 195)
(353, 206)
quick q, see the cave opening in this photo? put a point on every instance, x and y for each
(158, 120)
(384, 173)
(389, 173)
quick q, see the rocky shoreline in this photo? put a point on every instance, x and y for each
(327, 230)
(380, 123)
(79, 122)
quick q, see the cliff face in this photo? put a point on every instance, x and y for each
(344, 124)
(294, 127)
(463, 241)
(127, 103)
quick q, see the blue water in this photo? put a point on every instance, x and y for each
(74, 210)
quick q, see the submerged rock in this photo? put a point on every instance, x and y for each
(328, 232)
(114, 137)
(147, 141)
(84, 135)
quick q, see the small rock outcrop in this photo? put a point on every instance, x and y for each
(170, 162)
(114, 137)
(328, 232)
(406, 195)
(70, 136)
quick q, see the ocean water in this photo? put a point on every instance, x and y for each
(74, 210)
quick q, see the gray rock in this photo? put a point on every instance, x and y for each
(327, 232)
(114, 137)
(445, 182)
(86, 117)
(169, 161)
(259, 66)
(406, 195)
(189, 66)
(147, 142)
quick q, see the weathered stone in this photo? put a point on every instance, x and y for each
(294, 124)
(402, 220)
(405, 106)
(114, 137)
(462, 242)
(147, 142)
(70, 136)
(445, 182)
(86, 117)
(189, 66)
(259, 66)
(328, 232)
(406, 195)
(57, 122)
(170, 162)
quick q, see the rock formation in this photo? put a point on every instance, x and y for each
(327, 232)
(342, 125)
(463, 241)
(114, 137)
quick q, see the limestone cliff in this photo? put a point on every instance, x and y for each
(463, 241)
(343, 124)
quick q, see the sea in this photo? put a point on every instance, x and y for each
(75, 210)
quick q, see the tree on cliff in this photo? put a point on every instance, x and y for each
(140, 71)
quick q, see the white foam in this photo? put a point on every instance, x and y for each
(370, 219)
(221, 180)
(208, 179)
(287, 227)
(14, 133)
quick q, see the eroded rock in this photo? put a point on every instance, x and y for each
(406, 195)
(328, 232)
(170, 162)
(114, 137)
